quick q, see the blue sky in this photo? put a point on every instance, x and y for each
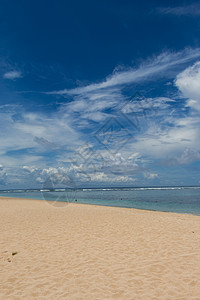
(99, 93)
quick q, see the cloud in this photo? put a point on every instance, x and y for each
(98, 101)
(43, 143)
(187, 10)
(30, 136)
(49, 177)
(29, 169)
(102, 177)
(63, 177)
(12, 75)
(188, 156)
(147, 70)
(150, 175)
(188, 82)
(92, 106)
(3, 176)
(167, 137)
(171, 130)
(121, 164)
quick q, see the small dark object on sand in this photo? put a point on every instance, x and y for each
(14, 253)
(75, 200)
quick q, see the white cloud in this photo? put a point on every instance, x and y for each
(92, 106)
(134, 156)
(121, 164)
(50, 177)
(102, 177)
(12, 75)
(188, 156)
(35, 133)
(147, 70)
(187, 10)
(170, 135)
(161, 136)
(159, 141)
(98, 101)
(62, 176)
(3, 176)
(150, 175)
(15, 161)
(29, 169)
(188, 82)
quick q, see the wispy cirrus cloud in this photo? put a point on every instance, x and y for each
(183, 10)
(96, 101)
(12, 75)
(164, 135)
(27, 137)
(148, 70)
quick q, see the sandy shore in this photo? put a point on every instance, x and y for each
(92, 252)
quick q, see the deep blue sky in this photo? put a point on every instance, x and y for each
(52, 54)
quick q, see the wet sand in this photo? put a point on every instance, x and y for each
(88, 252)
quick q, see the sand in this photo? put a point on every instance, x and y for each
(93, 252)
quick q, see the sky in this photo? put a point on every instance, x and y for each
(99, 93)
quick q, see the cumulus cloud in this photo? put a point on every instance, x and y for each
(188, 156)
(12, 75)
(53, 177)
(150, 175)
(188, 82)
(102, 177)
(121, 164)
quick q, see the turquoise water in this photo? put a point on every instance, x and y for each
(171, 199)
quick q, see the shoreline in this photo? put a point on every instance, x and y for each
(98, 205)
(96, 252)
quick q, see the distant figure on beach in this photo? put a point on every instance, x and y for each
(75, 200)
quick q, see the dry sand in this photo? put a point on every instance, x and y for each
(93, 252)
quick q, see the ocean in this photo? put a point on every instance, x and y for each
(170, 199)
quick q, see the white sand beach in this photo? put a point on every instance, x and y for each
(92, 252)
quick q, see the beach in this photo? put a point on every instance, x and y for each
(78, 251)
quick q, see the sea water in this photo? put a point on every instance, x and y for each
(170, 199)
